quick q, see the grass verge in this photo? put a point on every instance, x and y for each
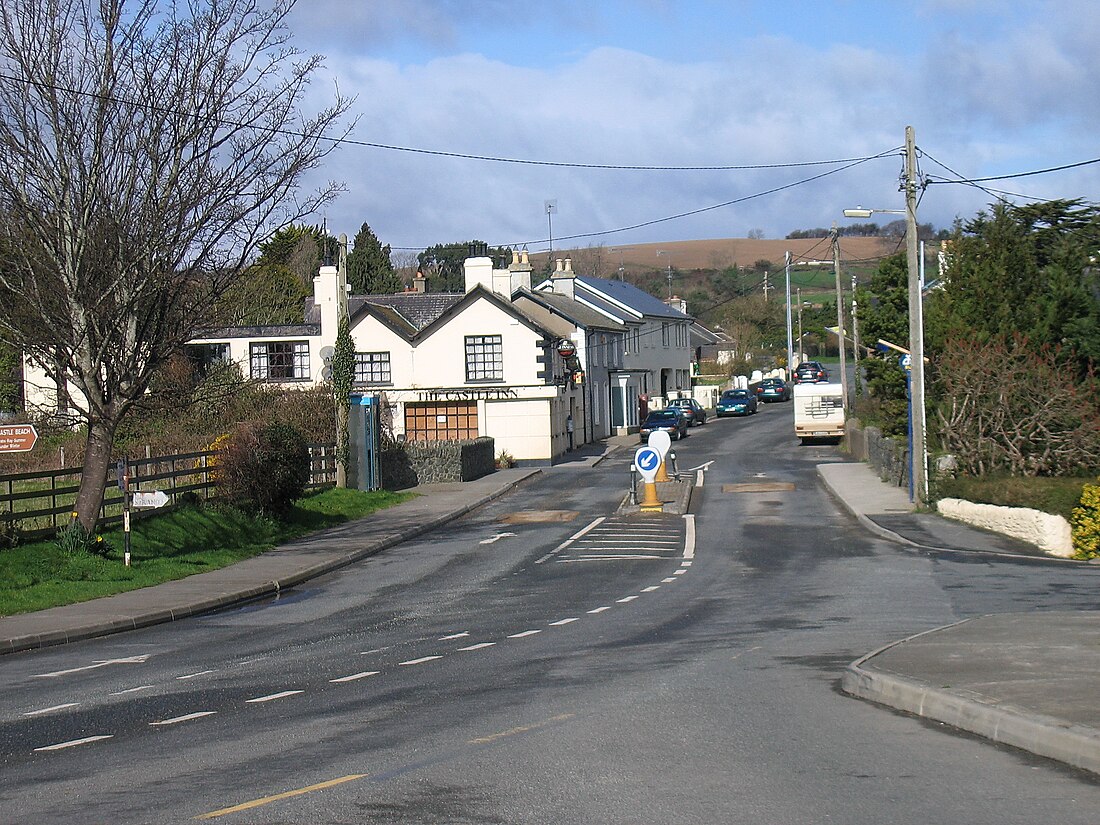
(180, 543)
(1051, 495)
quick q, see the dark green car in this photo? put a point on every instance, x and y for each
(735, 402)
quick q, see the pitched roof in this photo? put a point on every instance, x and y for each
(629, 295)
(571, 310)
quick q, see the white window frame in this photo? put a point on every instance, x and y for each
(295, 360)
(373, 368)
(484, 358)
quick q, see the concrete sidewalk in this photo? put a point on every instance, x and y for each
(1023, 679)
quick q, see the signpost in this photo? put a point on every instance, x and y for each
(661, 441)
(649, 461)
(17, 438)
(157, 498)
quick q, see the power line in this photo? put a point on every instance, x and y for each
(1046, 171)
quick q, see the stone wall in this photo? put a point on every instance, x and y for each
(412, 463)
(889, 457)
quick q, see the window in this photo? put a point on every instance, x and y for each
(204, 357)
(279, 360)
(484, 358)
(372, 368)
(664, 334)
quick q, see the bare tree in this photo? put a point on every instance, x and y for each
(145, 149)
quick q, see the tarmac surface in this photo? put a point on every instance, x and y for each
(1023, 679)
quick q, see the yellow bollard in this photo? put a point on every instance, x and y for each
(649, 497)
(662, 473)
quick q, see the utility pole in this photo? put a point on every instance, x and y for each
(801, 345)
(840, 316)
(919, 492)
(790, 344)
(855, 340)
(767, 285)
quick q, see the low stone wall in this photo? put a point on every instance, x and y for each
(1050, 533)
(889, 457)
(413, 463)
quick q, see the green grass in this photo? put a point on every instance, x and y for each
(1051, 495)
(166, 547)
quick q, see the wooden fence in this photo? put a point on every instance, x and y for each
(39, 503)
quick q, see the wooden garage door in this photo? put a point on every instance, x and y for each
(441, 421)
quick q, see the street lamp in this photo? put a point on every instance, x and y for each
(918, 457)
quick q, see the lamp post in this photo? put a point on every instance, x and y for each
(918, 488)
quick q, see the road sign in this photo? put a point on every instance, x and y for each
(158, 498)
(660, 440)
(647, 460)
(17, 438)
(905, 361)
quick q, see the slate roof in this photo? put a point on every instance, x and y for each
(631, 296)
(572, 310)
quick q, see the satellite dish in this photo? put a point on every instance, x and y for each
(327, 353)
(326, 373)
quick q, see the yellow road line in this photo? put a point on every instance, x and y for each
(493, 737)
(267, 800)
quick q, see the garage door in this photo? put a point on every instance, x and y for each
(441, 421)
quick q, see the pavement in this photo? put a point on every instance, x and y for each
(1028, 680)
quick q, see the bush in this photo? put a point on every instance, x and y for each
(263, 469)
(1085, 523)
(74, 540)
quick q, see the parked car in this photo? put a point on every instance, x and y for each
(735, 402)
(811, 372)
(671, 420)
(773, 389)
(697, 414)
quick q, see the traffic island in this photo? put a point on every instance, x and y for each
(674, 495)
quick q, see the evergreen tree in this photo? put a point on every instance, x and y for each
(370, 270)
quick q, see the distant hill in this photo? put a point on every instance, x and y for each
(686, 256)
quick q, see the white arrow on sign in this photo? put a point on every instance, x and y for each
(155, 499)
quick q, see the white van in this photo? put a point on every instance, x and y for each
(818, 411)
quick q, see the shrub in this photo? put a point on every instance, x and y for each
(1085, 523)
(505, 460)
(263, 469)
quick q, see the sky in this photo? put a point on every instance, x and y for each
(811, 99)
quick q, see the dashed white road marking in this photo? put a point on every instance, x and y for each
(595, 523)
(495, 538)
(420, 661)
(453, 636)
(679, 572)
(42, 711)
(376, 650)
(600, 609)
(651, 588)
(193, 675)
(129, 660)
(524, 633)
(131, 690)
(186, 718)
(668, 579)
(479, 646)
(626, 599)
(73, 743)
(273, 696)
(560, 622)
(355, 676)
(689, 537)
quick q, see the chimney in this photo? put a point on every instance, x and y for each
(520, 271)
(478, 270)
(563, 281)
(420, 283)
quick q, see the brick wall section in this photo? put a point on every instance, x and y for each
(433, 462)
(889, 457)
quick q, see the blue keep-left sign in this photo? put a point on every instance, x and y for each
(647, 460)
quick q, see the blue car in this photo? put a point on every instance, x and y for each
(672, 420)
(736, 402)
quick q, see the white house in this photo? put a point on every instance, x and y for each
(657, 347)
(540, 371)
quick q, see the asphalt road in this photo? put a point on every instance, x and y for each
(543, 661)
